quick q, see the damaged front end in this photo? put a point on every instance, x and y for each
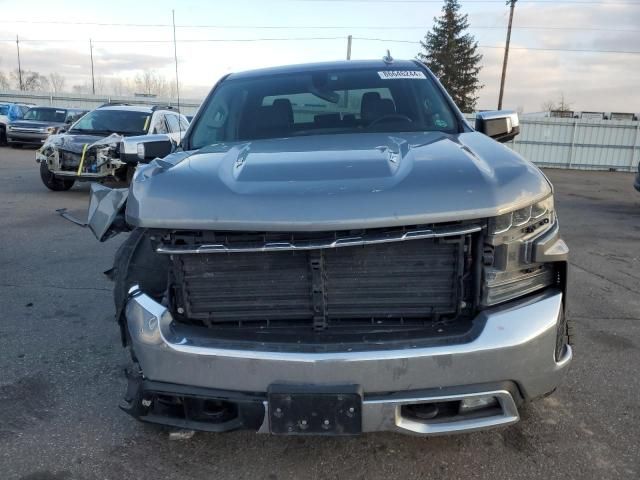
(106, 215)
(95, 159)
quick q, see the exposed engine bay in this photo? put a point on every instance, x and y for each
(99, 159)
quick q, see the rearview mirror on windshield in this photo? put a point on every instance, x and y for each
(501, 125)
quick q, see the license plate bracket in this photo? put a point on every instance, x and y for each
(312, 410)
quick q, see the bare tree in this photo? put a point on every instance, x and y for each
(151, 83)
(4, 82)
(31, 81)
(56, 82)
(556, 106)
(80, 88)
(99, 85)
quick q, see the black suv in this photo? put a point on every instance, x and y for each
(40, 122)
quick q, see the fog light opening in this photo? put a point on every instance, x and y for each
(473, 404)
(472, 407)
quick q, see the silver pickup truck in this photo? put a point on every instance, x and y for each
(333, 250)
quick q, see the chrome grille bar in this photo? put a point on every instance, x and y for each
(352, 241)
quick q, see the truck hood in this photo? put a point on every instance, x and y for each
(334, 182)
(73, 142)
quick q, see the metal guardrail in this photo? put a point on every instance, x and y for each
(89, 102)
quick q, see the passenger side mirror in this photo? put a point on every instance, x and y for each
(501, 125)
(145, 148)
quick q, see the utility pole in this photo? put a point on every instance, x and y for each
(93, 80)
(349, 39)
(175, 57)
(19, 66)
(512, 4)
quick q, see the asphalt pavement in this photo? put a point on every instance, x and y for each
(61, 364)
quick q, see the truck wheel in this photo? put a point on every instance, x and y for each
(52, 182)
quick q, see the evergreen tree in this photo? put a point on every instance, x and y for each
(453, 57)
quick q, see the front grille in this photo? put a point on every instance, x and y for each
(71, 161)
(26, 130)
(398, 284)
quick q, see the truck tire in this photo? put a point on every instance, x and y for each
(52, 182)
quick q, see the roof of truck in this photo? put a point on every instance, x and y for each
(342, 65)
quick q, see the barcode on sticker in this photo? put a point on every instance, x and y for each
(393, 74)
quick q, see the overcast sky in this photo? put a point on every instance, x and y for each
(589, 81)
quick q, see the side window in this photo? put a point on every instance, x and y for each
(172, 121)
(73, 116)
(159, 125)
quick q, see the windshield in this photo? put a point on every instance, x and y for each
(46, 115)
(323, 102)
(124, 122)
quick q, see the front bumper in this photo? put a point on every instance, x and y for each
(514, 345)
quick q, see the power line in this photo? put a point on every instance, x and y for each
(548, 2)
(318, 27)
(296, 39)
(195, 40)
(501, 47)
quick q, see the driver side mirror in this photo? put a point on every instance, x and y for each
(144, 148)
(501, 125)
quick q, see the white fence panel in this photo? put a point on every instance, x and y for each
(579, 144)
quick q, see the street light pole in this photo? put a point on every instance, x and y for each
(19, 66)
(512, 4)
(175, 58)
(93, 80)
(349, 39)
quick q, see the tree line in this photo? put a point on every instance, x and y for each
(148, 82)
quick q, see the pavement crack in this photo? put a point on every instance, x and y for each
(595, 274)
(59, 287)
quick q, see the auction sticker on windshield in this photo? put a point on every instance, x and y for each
(393, 74)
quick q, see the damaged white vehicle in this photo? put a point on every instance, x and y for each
(91, 148)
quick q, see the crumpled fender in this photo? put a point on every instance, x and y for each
(107, 206)
(106, 211)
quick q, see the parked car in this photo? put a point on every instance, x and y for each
(10, 112)
(333, 249)
(90, 149)
(39, 122)
(636, 183)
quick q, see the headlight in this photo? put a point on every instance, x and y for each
(524, 220)
(509, 271)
